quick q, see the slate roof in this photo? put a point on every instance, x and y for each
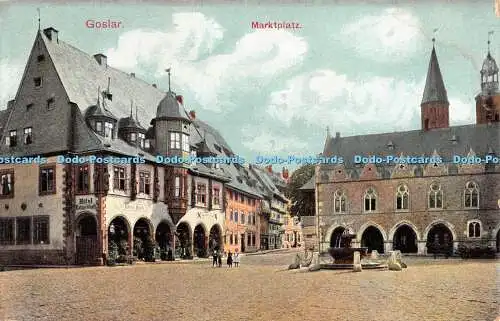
(264, 177)
(81, 76)
(434, 90)
(310, 185)
(457, 140)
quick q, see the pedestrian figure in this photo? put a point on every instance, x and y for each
(215, 256)
(237, 260)
(219, 258)
(229, 260)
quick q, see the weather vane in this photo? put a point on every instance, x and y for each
(434, 35)
(38, 9)
(490, 33)
(168, 71)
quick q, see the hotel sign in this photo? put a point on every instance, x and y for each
(86, 203)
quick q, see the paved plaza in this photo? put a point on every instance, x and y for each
(261, 289)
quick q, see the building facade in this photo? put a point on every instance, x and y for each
(416, 207)
(81, 175)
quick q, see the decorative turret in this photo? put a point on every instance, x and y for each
(101, 120)
(435, 105)
(488, 101)
(131, 130)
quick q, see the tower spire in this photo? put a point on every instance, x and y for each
(168, 71)
(434, 90)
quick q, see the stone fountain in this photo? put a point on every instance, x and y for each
(343, 254)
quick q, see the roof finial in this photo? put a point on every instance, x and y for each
(489, 40)
(98, 95)
(131, 105)
(109, 82)
(434, 36)
(136, 117)
(168, 71)
(38, 9)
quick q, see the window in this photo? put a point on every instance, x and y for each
(6, 231)
(145, 183)
(108, 130)
(236, 216)
(370, 200)
(339, 202)
(29, 107)
(231, 215)
(177, 188)
(231, 239)
(230, 195)
(402, 198)
(249, 239)
(241, 198)
(27, 136)
(37, 81)
(82, 179)
(50, 104)
(6, 184)
(253, 218)
(253, 239)
(175, 140)
(471, 195)
(236, 239)
(40, 58)
(201, 196)
(23, 230)
(141, 138)
(98, 127)
(41, 230)
(185, 143)
(474, 229)
(216, 196)
(119, 179)
(147, 144)
(242, 218)
(133, 137)
(11, 140)
(47, 180)
(435, 196)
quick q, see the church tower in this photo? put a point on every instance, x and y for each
(435, 105)
(488, 101)
(172, 134)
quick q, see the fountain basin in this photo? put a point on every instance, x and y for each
(345, 255)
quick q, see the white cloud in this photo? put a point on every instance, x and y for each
(393, 35)
(462, 112)
(376, 104)
(270, 143)
(10, 77)
(257, 57)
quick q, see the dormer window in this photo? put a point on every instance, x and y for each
(40, 58)
(50, 104)
(98, 127)
(141, 139)
(147, 143)
(27, 136)
(37, 81)
(108, 130)
(133, 137)
(185, 143)
(11, 140)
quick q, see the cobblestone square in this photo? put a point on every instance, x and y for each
(261, 289)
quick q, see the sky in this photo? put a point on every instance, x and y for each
(355, 68)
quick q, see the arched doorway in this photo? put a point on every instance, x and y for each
(215, 238)
(142, 238)
(440, 240)
(118, 237)
(163, 237)
(372, 239)
(405, 240)
(87, 250)
(183, 241)
(336, 239)
(200, 248)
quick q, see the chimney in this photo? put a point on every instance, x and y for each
(180, 99)
(284, 173)
(192, 115)
(132, 74)
(10, 104)
(101, 59)
(51, 33)
(154, 85)
(337, 135)
(269, 168)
